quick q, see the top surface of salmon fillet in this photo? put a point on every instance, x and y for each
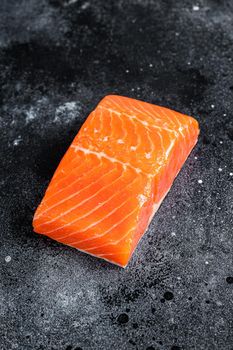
(114, 176)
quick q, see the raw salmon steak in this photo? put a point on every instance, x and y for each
(114, 177)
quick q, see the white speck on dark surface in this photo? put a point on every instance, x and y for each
(70, 2)
(17, 141)
(196, 8)
(220, 169)
(67, 112)
(30, 115)
(200, 181)
(7, 258)
(85, 5)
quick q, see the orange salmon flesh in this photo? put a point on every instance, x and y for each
(114, 176)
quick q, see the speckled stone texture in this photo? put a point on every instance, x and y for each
(57, 60)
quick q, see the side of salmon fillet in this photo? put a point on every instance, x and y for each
(114, 176)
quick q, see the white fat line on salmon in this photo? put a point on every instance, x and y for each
(132, 107)
(133, 117)
(121, 140)
(145, 123)
(80, 178)
(99, 256)
(180, 119)
(93, 210)
(157, 117)
(111, 123)
(153, 115)
(161, 110)
(152, 146)
(106, 232)
(112, 242)
(74, 167)
(64, 159)
(111, 159)
(75, 207)
(135, 127)
(181, 128)
(99, 118)
(162, 145)
(102, 219)
(136, 138)
(81, 166)
(139, 138)
(149, 110)
(101, 123)
(69, 197)
(170, 148)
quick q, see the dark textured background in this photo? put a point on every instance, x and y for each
(57, 60)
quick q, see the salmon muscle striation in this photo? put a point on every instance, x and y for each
(114, 176)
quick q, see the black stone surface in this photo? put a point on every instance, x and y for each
(57, 60)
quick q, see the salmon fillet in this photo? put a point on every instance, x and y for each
(114, 177)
